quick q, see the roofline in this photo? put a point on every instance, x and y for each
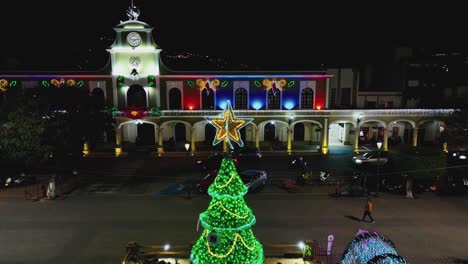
(56, 76)
(253, 76)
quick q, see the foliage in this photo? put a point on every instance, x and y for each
(21, 134)
(457, 129)
(421, 162)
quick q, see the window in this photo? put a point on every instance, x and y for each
(136, 96)
(345, 96)
(207, 99)
(307, 98)
(175, 99)
(274, 99)
(241, 98)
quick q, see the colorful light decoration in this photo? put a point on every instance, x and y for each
(134, 113)
(257, 83)
(367, 247)
(191, 83)
(228, 237)
(80, 84)
(224, 84)
(208, 85)
(45, 84)
(228, 126)
(151, 81)
(61, 82)
(120, 81)
(155, 112)
(274, 85)
(291, 84)
(3, 85)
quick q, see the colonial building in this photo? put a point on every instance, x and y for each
(292, 111)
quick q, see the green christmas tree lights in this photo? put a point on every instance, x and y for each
(228, 237)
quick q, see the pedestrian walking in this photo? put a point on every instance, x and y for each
(409, 186)
(368, 211)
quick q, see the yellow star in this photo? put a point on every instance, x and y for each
(228, 126)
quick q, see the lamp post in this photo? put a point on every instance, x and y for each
(187, 146)
(379, 145)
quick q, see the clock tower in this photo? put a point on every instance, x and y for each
(135, 57)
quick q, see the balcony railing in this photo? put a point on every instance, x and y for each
(299, 113)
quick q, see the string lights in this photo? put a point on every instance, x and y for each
(227, 221)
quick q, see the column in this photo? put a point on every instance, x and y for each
(85, 149)
(385, 139)
(415, 137)
(346, 133)
(289, 140)
(160, 141)
(118, 147)
(356, 140)
(325, 136)
(257, 141)
(192, 140)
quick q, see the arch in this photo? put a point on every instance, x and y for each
(136, 96)
(344, 121)
(402, 120)
(307, 98)
(430, 120)
(175, 99)
(180, 132)
(98, 98)
(137, 121)
(207, 99)
(299, 131)
(210, 132)
(241, 98)
(176, 121)
(306, 121)
(374, 120)
(269, 132)
(273, 99)
(262, 124)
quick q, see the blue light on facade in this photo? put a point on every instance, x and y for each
(288, 105)
(257, 105)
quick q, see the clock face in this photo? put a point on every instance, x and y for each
(135, 62)
(134, 39)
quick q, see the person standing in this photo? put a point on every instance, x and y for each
(368, 211)
(409, 186)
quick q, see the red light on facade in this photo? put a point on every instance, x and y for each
(190, 107)
(319, 107)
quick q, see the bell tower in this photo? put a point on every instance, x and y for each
(135, 57)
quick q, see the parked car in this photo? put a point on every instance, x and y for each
(371, 158)
(246, 154)
(213, 162)
(253, 179)
(20, 179)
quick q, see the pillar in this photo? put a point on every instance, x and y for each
(118, 147)
(415, 137)
(444, 147)
(289, 140)
(356, 139)
(325, 136)
(257, 140)
(385, 139)
(160, 141)
(346, 133)
(85, 149)
(192, 140)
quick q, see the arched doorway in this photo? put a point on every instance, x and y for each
(307, 98)
(180, 133)
(136, 96)
(299, 132)
(97, 98)
(269, 133)
(208, 99)
(240, 98)
(210, 132)
(175, 99)
(146, 135)
(274, 99)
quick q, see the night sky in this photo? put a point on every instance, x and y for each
(275, 36)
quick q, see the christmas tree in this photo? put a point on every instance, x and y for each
(227, 237)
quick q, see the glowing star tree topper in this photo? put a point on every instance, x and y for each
(228, 126)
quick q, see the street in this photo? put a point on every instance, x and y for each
(94, 227)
